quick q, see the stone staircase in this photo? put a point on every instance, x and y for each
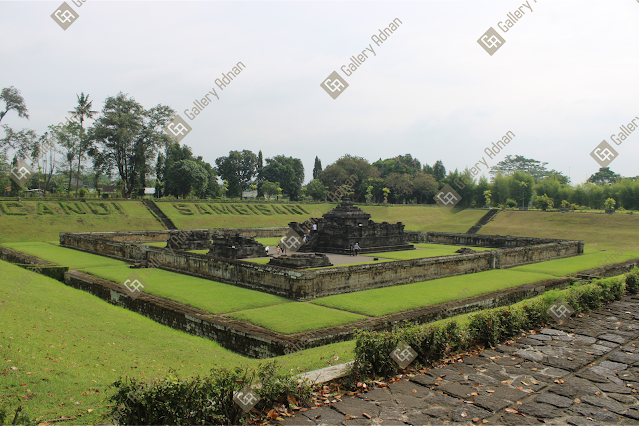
(484, 220)
(159, 214)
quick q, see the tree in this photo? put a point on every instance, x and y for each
(439, 171)
(271, 188)
(187, 175)
(317, 168)
(316, 190)
(23, 139)
(80, 112)
(603, 176)
(400, 186)
(400, 164)
(424, 186)
(336, 174)
(130, 136)
(238, 169)
(288, 171)
(544, 202)
(67, 137)
(260, 169)
(521, 164)
(609, 204)
(487, 195)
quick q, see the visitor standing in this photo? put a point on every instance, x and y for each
(283, 246)
(278, 250)
(266, 249)
(314, 228)
(351, 250)
(356, 248)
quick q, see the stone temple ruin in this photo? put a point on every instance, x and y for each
(235, 247)
(301, 261)
(347, 224)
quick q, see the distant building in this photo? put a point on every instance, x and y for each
(249, 194)
(107, 189)
(149, 191)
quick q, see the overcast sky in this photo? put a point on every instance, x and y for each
(565, 79)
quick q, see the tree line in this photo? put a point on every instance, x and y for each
(126, 146)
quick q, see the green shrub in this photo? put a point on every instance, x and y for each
(200, 400)
(632, 281)
(511, 203)
(82, 192)
(105, 195)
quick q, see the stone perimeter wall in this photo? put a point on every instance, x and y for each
(304, 285)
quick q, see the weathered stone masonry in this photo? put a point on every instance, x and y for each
(303, 285)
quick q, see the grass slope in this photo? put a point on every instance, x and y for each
(599, 231)
(387, 300)
(211, 296)
(189, 215)
(415, 218)
(295, 317)
(61, 348)
(53, 219)
(570, 265)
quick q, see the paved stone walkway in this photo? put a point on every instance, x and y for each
(584, 372)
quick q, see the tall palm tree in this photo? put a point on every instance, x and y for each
(82, 112)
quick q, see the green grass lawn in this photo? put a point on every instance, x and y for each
(190, 215)
(52, 220)
(570, 265)
(295, 317)
(211, 296)
(74, 259)
(424, 250)
(598, 231)
(68, 346)
(268, 241)
(387, 300)
(459, 223)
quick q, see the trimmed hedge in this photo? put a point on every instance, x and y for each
(200, 400)
(433, 342)
(632, 281)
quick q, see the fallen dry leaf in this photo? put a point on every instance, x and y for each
(578, 401)
(366, 415)
(463, 414)
(520, 387)
(490, 391)
(414, 391)
(511, 410)
(291, 399)
(476, 419)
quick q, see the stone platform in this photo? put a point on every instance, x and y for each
(584, 372)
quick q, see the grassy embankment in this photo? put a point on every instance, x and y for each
(61, 349)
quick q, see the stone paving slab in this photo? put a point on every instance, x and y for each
(582, 372)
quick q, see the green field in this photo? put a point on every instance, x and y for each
(387, 300)
(599, 231)
(190, 215)
(62, 348)
(44, 220)
(296, 317)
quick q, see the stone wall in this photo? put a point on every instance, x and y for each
(278, 231)
(303, 285)
(258, 342)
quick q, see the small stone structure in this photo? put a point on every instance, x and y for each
(236, 247)
(189, 239)
(347, 224)
(299, 261)
(465, 250)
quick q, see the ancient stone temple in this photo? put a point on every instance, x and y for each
(189, 239)
(300, 261)
(236, 247)
(347, 224)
